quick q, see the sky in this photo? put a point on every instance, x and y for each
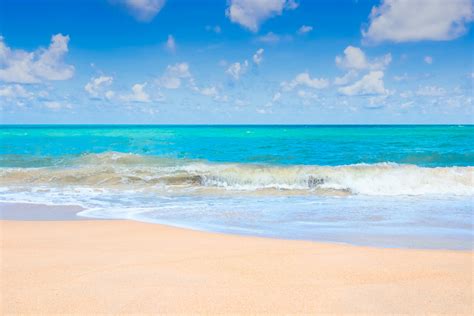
(236, 62)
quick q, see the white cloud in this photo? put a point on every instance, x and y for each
(177, 73)
(348, 77)
(109, 94)
(430, 91)
(372, 83)
(97, 86)
(377, 102)
(252, 13)
(354, 58)
(301, 81)
(236, 70)
(403, 77)
(212, 92)
(52, 105)
(306, 96)
(258, 56)
(291, 4)
(138, 94)
(269, 38)
(428, 60)
(304, 29)
(174, 75)
(407, 105)
(170, 44)
(416, 20)
(209, 91)
(143, 10)
(264, 111)
(49, 64)
(304, 80)
(276, 96)
(459, 101)
(32, 67)
(13, 92)
(272, 38)
(56, 105)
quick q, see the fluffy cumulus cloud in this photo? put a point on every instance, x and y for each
(20, 66)
(236, 70)
(209, 91)
(143, 10)
(304, 80)
(98, 87)
(304, 29)
(370, 84)
(416, 20)
(14, 91)
(174, 75)
(252, 13)
(178, 73)
(138, 94)
(354, 58)
(346, 78)
(258, 56)
(302, 86)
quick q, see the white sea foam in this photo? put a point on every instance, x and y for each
(135, 172)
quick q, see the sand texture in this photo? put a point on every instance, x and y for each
(127, 267)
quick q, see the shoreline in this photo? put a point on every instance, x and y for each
(32, 211)
(121, 266)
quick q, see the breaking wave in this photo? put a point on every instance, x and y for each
(130, 171)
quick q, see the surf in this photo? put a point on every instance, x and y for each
(129, 171)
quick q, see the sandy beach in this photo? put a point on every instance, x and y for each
(123, 267)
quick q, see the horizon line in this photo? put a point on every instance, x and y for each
(237, 124)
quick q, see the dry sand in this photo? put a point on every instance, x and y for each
(129, 267)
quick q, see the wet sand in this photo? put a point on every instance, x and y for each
(39, 212)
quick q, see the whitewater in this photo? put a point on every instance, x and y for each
(168, 176)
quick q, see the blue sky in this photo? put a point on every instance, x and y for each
(236, 61)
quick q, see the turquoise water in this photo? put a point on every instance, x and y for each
(429, 146)
(392, 186)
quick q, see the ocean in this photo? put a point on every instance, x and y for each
(387, 186)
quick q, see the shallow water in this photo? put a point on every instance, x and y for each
(391, 186)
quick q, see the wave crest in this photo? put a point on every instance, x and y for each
(131, 171)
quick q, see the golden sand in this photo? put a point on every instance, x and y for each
(87, 267)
